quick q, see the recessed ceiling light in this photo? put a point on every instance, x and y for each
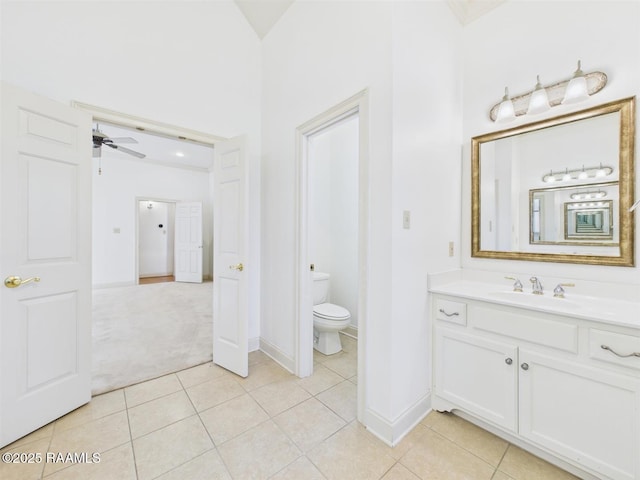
(179, 154)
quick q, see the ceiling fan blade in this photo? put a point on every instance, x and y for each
(123, 140)
(126, 150)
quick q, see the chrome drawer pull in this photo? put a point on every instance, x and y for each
(634, 354)
(454, 314)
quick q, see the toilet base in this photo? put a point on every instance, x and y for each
(326, 343)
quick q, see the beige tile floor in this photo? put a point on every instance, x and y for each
(206, 423)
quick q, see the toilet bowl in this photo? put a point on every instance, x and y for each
(328, 319)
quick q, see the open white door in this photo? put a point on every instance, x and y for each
(45, 262)
(188, 242)
(230, 279)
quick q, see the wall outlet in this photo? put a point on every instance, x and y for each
(406, 219)
(451, 249)
(116, 229)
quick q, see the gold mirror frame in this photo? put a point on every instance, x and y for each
(626, 108)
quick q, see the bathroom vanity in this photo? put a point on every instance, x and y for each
(557, 376)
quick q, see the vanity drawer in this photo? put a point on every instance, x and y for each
(620, 348)
(453, 312)
(535, 328)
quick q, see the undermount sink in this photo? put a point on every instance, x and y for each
(529, 299)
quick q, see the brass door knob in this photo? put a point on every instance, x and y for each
(15, 281)
(238, 267)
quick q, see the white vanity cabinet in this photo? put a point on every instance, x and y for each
(542, 379)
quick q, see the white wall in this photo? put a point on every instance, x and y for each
(405, 54)
(426, 181)
(319, 54)
(155, 238)
(115, 206)
(333, 222)
(520, 39)
(192, 64)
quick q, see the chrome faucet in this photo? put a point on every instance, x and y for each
(536, 286)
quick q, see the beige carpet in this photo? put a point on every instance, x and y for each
(145, 331)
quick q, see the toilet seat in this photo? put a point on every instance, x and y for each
(329, 311)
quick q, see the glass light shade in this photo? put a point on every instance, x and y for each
(566, 177)
(577, 88)
(506, 111)
(539, 101)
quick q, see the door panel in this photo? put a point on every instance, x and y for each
(45, 232)
(561, 408)
(230, 284)
(188, 242)
(477, 374)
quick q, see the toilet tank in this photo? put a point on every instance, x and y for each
(320, 287)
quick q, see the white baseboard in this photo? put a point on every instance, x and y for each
(277, 355)
(392, 432)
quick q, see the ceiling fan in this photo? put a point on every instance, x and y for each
(100, 139)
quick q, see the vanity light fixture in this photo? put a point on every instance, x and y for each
(572, 90)
(577, 174)
(505, 109)
(539, 101)
(577, 90)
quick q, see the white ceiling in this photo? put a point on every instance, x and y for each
(159, 150)
(262, 15)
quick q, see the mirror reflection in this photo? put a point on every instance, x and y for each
(557, 190)
(575, 216)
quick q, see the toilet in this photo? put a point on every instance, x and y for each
(328, 319)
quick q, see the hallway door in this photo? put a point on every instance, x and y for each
(188, 242)
(230, 248)
(45, 261)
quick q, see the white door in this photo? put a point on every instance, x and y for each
(188, 242)
(45, 240)
(230, 280)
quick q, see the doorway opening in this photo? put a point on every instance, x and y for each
(135, 203)
(342, 176)
(156, 232)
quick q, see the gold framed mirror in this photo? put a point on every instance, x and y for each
(557, 190)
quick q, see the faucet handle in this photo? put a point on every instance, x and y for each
(558, 292)
(517, 285)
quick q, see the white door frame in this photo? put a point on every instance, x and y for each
(356, 105)
(137, 206)
(100, 114)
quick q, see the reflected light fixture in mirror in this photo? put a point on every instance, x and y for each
(582, 174)
(573, 90)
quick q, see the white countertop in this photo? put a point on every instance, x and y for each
(578, 302)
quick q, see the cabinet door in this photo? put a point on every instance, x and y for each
(587, 414)
(478, 375)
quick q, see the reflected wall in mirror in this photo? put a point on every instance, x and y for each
(557, 190)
